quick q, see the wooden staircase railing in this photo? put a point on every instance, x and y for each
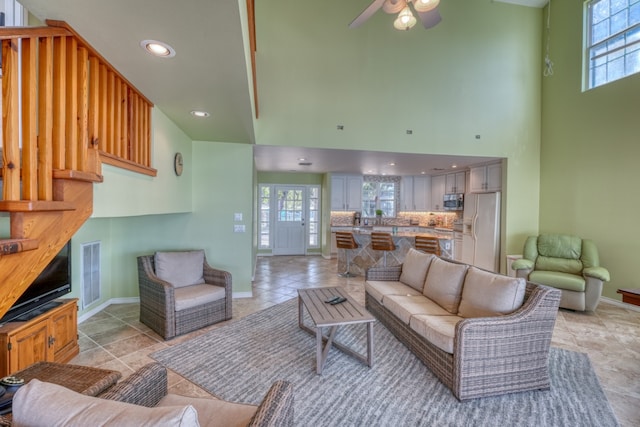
(65, 110)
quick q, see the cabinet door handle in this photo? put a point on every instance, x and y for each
(52, 340)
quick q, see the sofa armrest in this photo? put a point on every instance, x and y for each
(214, 276)
(144, 387)
(496, 347)
(384, 273)
(597, 272)
(276, 409)
(522, 264)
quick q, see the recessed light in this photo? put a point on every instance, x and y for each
(301, 159)
(159, 49)
(423, 173)
(454, 166)
(392, 164)
(197, 113)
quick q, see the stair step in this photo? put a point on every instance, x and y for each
(77, 175)
(34, 206)
(14, 246)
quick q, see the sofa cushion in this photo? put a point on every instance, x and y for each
(196, 295)
(444, 283)
(379, 288)
(213, 412)
(414, 268)
(438, 330)
(404, 306)
(59, 406)
(555, 279)
(182, 268)
(486, 294)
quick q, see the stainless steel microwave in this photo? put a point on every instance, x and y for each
(453, 202)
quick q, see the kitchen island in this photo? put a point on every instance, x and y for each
(365, 257)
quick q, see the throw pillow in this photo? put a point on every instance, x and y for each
(444, 283)
(183, 268)
(414, 268)
(59, 406)
(488, 294)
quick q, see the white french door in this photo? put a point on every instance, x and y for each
(290, 225)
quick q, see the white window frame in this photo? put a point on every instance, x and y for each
(622, 45)
(379, 202)
(14, 14)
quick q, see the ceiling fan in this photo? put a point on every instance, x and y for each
(427, 10)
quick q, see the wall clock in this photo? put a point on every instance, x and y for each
(178, 164)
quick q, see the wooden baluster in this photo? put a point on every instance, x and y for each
(110, 125)
(71, 123)
(117, 117)
(29, 119)
(10, 121)
(94, 101)
(83, 108)
(102, 101)
(45, 118)
(59, 102)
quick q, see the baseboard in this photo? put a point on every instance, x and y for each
(242, 295)
(95, 310)
(620, 303)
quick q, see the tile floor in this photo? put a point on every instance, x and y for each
(115, 339)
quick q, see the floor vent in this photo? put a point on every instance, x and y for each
(90, 273)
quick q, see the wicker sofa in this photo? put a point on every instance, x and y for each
(186, 295)
(142, 399)
(481, 333)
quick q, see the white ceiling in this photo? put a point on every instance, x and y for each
(209, 72)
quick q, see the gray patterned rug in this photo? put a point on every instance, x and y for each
(239, 361)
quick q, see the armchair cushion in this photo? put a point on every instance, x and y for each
(184, 268)
(196, 295)
(80, 410)
(597, 272)
(487, 295)
(570, 282)
(213, 412)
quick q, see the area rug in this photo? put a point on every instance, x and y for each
(239, 361)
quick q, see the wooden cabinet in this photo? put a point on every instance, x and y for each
(415, 193)
(455, 182)
(51, 336)
(346, 193)
(438, 184)
(485, 179)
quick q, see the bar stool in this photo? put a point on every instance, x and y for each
(345, 240)
(428, 244)
(382, 242)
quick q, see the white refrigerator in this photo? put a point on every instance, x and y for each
(481, 230)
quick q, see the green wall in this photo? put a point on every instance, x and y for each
(589, 152)
(480, 74)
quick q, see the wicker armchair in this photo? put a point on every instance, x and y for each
(158, 301)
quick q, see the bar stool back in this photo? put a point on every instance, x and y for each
(345, 240)
(382, 242)
(428, 244)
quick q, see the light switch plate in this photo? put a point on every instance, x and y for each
(238, 228)
(237, 216)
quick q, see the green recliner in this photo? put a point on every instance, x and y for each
(568, 263)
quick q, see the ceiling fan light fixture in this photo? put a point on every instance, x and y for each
(425, 5)
(393, 6)
(405, 20)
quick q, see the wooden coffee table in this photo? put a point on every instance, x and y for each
(332, 316)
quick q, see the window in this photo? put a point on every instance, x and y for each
(379, 194)
(264, 207)
(613, 40)
(314, 217)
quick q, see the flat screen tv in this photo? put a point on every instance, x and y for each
(52, 283)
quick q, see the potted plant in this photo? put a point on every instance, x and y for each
(379, 213)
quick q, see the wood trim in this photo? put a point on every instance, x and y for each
(251, 14)
(7, 33)
(110, 159)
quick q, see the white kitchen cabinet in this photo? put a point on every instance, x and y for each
(485, 179)
(415, 193)
(346, 193)
(438, 184)
(455, 182)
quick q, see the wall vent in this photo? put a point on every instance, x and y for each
(90, 273)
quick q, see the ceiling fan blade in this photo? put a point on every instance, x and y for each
(431, 18)
(367, 13)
